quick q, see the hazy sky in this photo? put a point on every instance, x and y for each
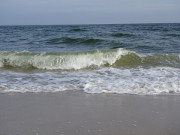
(17, 12)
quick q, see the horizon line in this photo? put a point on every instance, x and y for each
(88, 24)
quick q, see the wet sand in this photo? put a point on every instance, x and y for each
(75, 113)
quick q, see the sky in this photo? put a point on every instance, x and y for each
(49, 12)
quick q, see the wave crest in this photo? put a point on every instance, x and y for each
(60, 60)
(117, 58)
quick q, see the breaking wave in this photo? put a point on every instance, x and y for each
(118, 58)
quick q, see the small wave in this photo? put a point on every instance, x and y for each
(173, 35)
(91, 41)
(118, 58)
(68, 40)
(54, 41)
(122, 35)
(23, 39)
(77, 30)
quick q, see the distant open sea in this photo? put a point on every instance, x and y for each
(141, 59)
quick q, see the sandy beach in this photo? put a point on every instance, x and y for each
(76, 113)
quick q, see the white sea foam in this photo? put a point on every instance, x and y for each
(159, 80)
(74, 61)
(137, 81)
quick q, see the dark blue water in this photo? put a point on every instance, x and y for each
(143, 38)
(120, 58)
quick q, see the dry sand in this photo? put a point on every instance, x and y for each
(75, 113)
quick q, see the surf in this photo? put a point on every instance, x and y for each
(116, 58)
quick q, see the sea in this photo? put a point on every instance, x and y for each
(142, 59)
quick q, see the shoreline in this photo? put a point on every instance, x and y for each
(78, 113)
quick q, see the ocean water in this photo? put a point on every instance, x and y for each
(139, 59)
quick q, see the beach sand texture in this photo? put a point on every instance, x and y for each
(76, 113)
